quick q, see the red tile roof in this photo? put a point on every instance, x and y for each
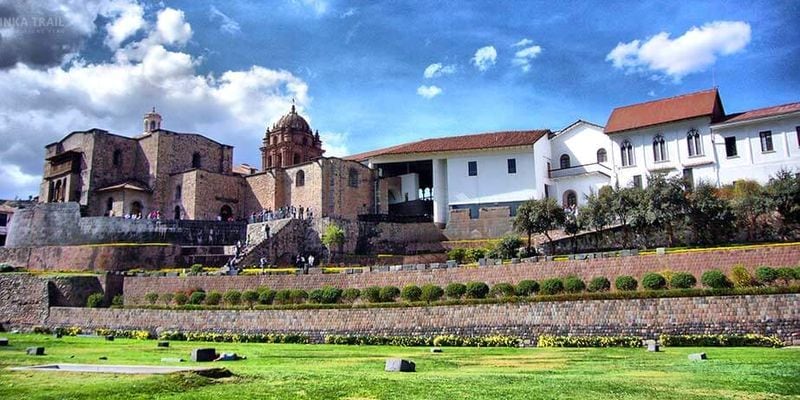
(692, 105)
(764, 112)
(457, 143)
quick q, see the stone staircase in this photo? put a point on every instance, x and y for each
(211, 256)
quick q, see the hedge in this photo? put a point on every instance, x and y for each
(234, 337)
(441, 340)
(588, 341)
(749, 340)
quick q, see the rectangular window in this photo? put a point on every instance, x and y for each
(688, 177)
(472, 167)
(3, 219)
(637, 181)
(797, 130)
(730, 146)
(546, 191)
(512, 165)
(766, 141)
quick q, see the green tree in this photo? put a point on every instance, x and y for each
(595, 214)
(624, 205)
(333, 237)
(783, 191)
(539, 216)
(572, 226)
(749, 204)
(710, 216)
(666, 204)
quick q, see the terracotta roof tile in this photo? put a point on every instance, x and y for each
(692, 105)
(457, 143)
(764, 112)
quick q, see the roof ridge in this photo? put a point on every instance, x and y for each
(669, 98)
(767, 107)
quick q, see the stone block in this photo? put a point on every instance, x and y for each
(482, 262)
(652, 346)
(400, 365)
(498, 262)
(452, 264)
(162, 344)
(571, 257)
(421, 267)
(548, 258)
(634, 252)
(172, 274)
(580, 257)
(697, 356)
(35, 351)
(408, 267)
(204, 354)
(435, 265)
(395, 267)
(436, 349)
(110, 338)
(515, 260)
(661, 251)
(3, 341)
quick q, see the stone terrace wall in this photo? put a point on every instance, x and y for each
(92, 257)
(23, 300)
(773, 314)
(695, 263)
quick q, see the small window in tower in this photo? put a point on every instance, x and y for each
(178, 192)
(152, 125)
(196, 160)
(300, 178)
(117, 158)
(353, 178)
(296, 159)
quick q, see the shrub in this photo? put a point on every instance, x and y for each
(431, 293)
(588, 341)
(326, 295)
(389, 293)
(599, 284)
(527, 287)
(283, 296)
(411, 293)
(475, 254)
(682, 280)
(151, 298)
(626, 283)
(715, 279)
(250, 297)
(6, 268)
(552, 286)
(573, 284)
(197, 297)
(372, 294)
(298, 296)
(232, 297)
(786, 275)
(95, 300)
(508, 246)
(180, 298)
(502, 290)
(741, 277)
(458, 254)
(477, 290)
(167, 298)
(720, 340)
(766, 275)
(455, 290)
(653, 281)
(213, 298)
(350, 294)
(196, 268)
(117, 301)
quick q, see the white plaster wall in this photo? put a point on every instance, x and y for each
(409, 184)
(493, 182)
(583, 185)
(542, 152)
(581, 142)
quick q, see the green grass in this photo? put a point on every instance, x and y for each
(350, 372)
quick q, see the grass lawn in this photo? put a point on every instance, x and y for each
(286, 371)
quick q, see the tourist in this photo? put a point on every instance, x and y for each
(311, 260)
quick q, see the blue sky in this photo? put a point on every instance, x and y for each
(357, 69)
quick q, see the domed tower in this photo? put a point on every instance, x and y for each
(290, 142)
(152, 121)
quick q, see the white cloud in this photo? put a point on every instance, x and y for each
(335, 143)
(128, 19)
(436, 70)
(226, 23)
(523, 57)
(319, 7)
(172, 26)
(40, 106)
(694, 51)
(429, 92)
(485, 58)
(348, 13)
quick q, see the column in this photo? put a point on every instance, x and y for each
(440, 204)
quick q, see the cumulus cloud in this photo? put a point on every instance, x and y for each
(485, 58)
(694, 51)
(41, 105)
(348, 13)
(437, 70)
(335, 143)
(226, 23)
(128, 18)
(523, 57)
(429, 92)
(319, 7)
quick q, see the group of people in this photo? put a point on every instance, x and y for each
(283, 212)
(151, 215)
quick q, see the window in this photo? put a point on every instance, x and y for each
(3, 219)
(693, 142)
(564, 161)
(152, 125)
(730, 146)
(602, 156)
(269, 162)
(766, 141)
(688, 177)
(570, 199)
(546, 191)
(296, 159)
(117, 158)
(637, 181)
(196, 160)
(659, 149)
(627, 154)
(353, 178)
(178, 192)
(472, 168)
(797, 130)
(512, 165)
(300, 178)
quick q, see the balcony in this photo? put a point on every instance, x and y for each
(576, 170)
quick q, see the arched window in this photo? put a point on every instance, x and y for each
(117, 158)
(177, 212)
(693, 142)
(659, 149)
(602, 156)
(627, 154)
(564, 161)
(51, 194)
(196, 160)
(136, 208)
(225, 213)
(152, 125)
(352, 178)
(296, 159)
(300, 178)
(109, 205)
(58, 192)
(278, 161)
(178, 192)
(570, 199)
(269, 162)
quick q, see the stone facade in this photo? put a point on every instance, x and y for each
(23, 300)
(769, 314)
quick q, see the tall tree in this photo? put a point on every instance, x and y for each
(666, 204)
(709, 215)
(783, 191)
(750, 206)
(539, 216)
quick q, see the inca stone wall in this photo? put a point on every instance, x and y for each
(92, 257)
(772, 315)
(23, 300)
(693, 262)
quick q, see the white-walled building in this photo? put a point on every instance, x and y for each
(581, 162)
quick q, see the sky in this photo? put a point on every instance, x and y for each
(369, 74)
